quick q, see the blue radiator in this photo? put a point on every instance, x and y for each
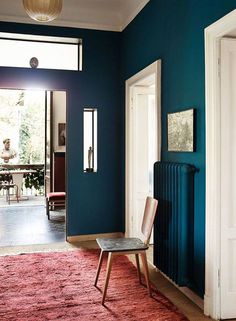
(173, 229)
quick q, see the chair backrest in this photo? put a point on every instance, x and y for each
(5, 178)
(148, 218)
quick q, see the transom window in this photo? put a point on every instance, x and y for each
(30, 51)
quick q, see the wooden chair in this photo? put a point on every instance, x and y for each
(55, 199)
(129, 246)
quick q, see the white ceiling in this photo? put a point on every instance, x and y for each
(113, 15)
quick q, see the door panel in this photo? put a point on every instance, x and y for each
(140, 159)
(144, 152)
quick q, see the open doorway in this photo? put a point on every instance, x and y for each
(143, 136)
(31, 119)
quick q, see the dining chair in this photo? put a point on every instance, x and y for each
(7, 184)
(118, 246)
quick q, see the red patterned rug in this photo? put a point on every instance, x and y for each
(59, 286)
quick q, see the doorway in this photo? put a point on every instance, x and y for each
(143, 140)
(220, 289)
(25, 122)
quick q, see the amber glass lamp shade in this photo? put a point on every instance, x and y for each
(43, 10)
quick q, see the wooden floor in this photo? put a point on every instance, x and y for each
(187, 307)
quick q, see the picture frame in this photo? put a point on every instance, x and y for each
(180, 131)
(61, 134)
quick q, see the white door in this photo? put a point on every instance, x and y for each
(144, 149)
(228, 179)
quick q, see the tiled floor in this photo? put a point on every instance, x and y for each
(27, 225)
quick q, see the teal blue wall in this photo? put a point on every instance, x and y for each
(173, 31)
(94, 199)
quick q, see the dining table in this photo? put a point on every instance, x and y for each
(17, 178)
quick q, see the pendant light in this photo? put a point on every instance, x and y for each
(43, 10)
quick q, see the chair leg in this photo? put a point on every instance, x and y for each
(146, 273)
(47, 208)
(17, 195)
(8, 195)
(138, 267)
(108, 272)
(99, 267)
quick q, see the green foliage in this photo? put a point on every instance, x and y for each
(35, 180)
(22, 119)
(31, 143)
(24, 143)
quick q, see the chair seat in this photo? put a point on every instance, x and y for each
(55, 199)
(121, 244)
(7, 185)
(53, 196)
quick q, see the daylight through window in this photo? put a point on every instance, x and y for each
(50, 52)
(22, 120)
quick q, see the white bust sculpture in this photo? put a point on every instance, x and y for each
(7, 153)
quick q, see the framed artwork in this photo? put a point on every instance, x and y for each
(61, 134)
(180, 127)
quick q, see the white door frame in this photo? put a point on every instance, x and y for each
(154, 68)
(213, 33)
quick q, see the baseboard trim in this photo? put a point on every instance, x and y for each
(92, 237)
(207, 305)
